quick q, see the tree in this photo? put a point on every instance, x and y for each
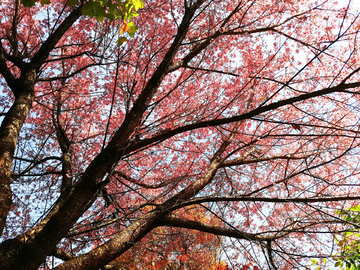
(245, 112)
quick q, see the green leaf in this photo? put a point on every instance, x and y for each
(132, 29)
(121, 40)
(90, 8)
(100, 18)
(28, 3)
(138, 4)
(94, 9)
(110, 16)
(101, 14)
(72, 3)
(132, 15)
(45, 2)
(112, 8)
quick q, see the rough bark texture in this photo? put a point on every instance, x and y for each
(23, 88)
(112, 249)
(18, 253)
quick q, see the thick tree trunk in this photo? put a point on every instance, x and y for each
(23, 247)
(23, 89)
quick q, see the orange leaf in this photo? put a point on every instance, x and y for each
(124, 28)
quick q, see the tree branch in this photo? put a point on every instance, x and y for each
(259, 110)
(270, 255)
(40, 57)
(210, 198)
(217, 230)
(4, 70)
(242, 160)
(154, 186)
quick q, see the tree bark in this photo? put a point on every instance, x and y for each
(23, 88)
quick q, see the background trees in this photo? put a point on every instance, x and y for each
(234, 118)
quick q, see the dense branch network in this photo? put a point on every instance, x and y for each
(218, 119)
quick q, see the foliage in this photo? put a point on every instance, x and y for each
(124, 10)
(349, 244)
(176, 249)
(223, 134)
